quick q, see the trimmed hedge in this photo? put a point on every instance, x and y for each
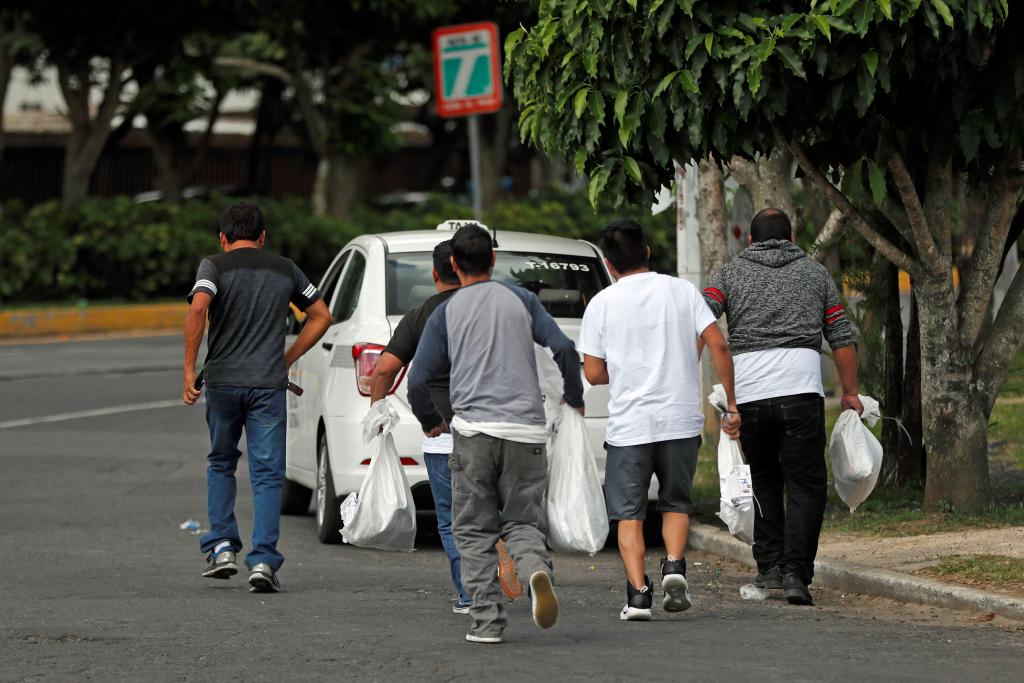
(117, 249)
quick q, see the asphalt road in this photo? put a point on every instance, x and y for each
(97, 581)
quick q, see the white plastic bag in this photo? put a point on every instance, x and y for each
(856, 454)
(577, 517)
(736, 502)
(552, 386)
(385, 515)
(736, 505)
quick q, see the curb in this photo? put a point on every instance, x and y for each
(88, 319)
(851, 577)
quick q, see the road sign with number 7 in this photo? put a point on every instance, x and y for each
(467, 69)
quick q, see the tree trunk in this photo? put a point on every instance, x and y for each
(166, 158)
(342, 188)
(711, 213)
(892, 362)
(493, 153)
(912, 460)
(955, 414)
(77, 171)
(769, 180)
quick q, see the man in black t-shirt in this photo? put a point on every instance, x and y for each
(246, 292)
(398, 354)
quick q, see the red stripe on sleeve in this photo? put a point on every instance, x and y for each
(715, 294)
(836, 317)
(834, 309)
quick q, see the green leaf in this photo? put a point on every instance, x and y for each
(791, 61)
(754, 78)
(633, 169)
(822, 25)
(709, 42)
(579, 103)
(621, 101)
(580, 160)
(871, 61)
(665, 82)
(943, 9)
(886, 7)
(597, 182)
(632, 3)
(686, 78)
(596, 104)
(876, 179)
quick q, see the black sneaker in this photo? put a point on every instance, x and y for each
(673, 582)
(263, 580)
(221, 566)
(638, 602)
(771, 579)
(796, 590)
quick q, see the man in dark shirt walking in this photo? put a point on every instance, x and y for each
(397, 355)
(779, 304)
(246, 293)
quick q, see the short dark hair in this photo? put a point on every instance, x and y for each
(771, 224)
(624, 244)
(443, 263)
(242, 221)
(472, 249)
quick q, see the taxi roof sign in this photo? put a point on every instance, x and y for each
(456, 223)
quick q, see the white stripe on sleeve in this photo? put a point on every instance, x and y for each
(205, 283)
(309, 291)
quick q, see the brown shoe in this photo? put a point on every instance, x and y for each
(510, 583)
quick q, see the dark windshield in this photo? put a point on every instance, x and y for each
(564, 284)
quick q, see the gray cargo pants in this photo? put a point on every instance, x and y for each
(497, 492)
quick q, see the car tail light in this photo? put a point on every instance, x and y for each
(365, 357)
(406, 460)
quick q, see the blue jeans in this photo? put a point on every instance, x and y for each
(441, 488)
(262, 413)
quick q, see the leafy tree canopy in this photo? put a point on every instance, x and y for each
(622, 87)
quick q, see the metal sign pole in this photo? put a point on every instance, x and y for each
(475, 170)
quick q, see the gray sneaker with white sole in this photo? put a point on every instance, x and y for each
(223, 566)
(263, 580)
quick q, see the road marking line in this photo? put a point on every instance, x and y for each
(96, 412)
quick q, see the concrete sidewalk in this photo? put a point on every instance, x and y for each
(75, 320)
(851, 577)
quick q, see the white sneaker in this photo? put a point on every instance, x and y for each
(473, 638)
(677, 593)
(543, 600)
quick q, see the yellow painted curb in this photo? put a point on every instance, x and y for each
(77, 320)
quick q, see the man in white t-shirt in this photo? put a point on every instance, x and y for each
(779, 304)
(640, 337)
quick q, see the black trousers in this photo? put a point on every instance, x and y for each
(783, 441)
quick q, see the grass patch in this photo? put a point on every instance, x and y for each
(997, 571)
(87, 303)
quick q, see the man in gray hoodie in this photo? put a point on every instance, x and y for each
(779, 303)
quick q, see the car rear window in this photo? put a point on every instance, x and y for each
(564, 284)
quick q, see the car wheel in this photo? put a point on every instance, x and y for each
(328, 507)
(294, 498)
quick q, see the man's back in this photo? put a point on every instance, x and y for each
(777, 297)
(645, 327)
(251, 290)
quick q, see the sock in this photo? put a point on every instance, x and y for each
(220, 547)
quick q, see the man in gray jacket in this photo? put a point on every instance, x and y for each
(779, 303)
(485, 334)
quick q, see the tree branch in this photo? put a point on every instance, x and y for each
(927, 252)
(78, 114)
(822, 243)
(976, 284)
(256, 66)
(850, 212)
(1002, 341)
(938, 190)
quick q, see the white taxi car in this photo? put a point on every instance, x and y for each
(372, 282)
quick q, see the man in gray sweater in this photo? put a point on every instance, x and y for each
(485, 334)
(779, 303)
